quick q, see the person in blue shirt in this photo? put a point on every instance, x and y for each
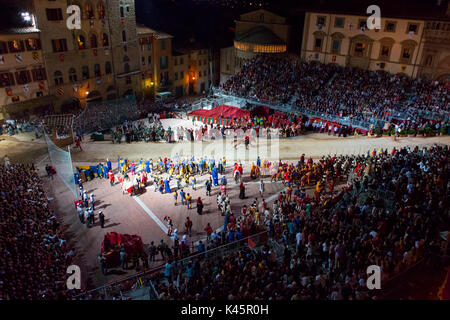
(239, 234)
(200, 247)
(168, 271)
(190, 270)
(166, 186)
(109, 165)
(147, 166)
(258, 162)
(215, 177)
(223, 181)
(105, 171)
(225, 224)
(230, 236)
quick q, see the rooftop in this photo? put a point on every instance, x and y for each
(20, 30)
(259, 35)
(143, 30)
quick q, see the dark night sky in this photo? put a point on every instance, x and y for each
(212, 21)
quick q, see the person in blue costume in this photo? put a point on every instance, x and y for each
(105, 171)
(258, 162)
(109, 165)
(118, 164)
(224, 180)
(166, 186)
(147, 166)
(215, 176)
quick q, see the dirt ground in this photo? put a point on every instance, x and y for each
(143, 215)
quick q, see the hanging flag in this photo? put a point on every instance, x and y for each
(95, 52)
(18, 57)
(106, 52)
(123, 20)
(75, 88)
(35, 55)
(87, 85)
(61, 57)
(41, 85)
(60, 91)
(2, 60)
(91, 23)
(26, 88)
(8, 91)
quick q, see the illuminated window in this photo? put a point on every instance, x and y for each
(16, 46)
(59, 45)
(360, 48)
(100, 11)
(89, 11)
(33, 44)
(81, 42)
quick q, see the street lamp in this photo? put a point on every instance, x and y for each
(26, 16)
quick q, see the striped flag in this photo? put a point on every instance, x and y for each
(18, 57)
(60, 91)
(35, 55)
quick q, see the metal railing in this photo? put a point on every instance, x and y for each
(127, 283)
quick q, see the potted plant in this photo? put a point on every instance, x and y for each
(427, 131)
(422, 131)
(411, 133)
(403, 133)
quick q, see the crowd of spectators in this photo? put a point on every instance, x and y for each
(34, 254)
(390, 210)
(330, 240)
(343, 92)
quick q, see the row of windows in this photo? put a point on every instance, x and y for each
(389, 26)
(175, 61)
(360, 49)
(20, 45)
(56, 14)
(438, 26)
(73, 76)
(60, 45)
(7, 79)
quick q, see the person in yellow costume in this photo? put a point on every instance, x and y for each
(253, 171)
(175, 197)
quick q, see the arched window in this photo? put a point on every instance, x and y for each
(124, 36)
(126, 67)
(72, 75)
(105, 40)
(81, 42)
(85, 72)
(100, 10)
(107, 67)
(93, 41)
(58, 77)
(89, 11)
(97, 70)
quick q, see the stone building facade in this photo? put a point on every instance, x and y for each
(155, 48)
(24, 88)
(97, 62)
(415, 47)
